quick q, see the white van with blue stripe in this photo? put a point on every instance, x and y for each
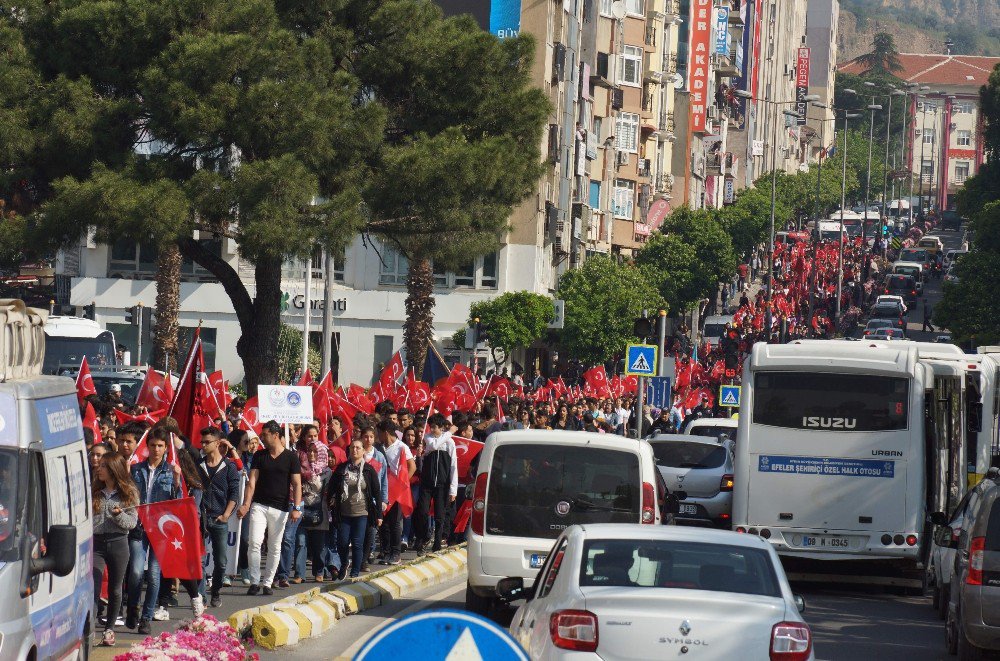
(46, 530)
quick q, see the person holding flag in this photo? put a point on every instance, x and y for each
(156, 480)
(400, 466)
(438, 481)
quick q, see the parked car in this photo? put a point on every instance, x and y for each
(892, 298)
(712, 427)
(952, 256)
(973, 623)
(874, 325)
(634, 592)
(532, 485)
(702, 467)
(887, 334)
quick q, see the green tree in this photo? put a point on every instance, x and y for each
(461, 150)
(748, 219)
(515, 319)
(883, 58)
(603, 298)
(970, 307)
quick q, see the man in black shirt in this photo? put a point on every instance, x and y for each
(275, 474)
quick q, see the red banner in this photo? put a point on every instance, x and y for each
(701, 48)
(802, 84)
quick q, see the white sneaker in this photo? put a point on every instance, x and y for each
(161, 614)
(120, 622)
(198, 605)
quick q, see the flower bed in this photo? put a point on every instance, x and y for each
(203, 639)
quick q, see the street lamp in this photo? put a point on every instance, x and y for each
(885, 179)
(843, 203)
(872, 107)
(774, 188)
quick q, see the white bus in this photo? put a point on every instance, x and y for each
(833, 454)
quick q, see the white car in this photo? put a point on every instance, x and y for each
(534, 484)
(714, 427)
(635, 592)
(891, 298)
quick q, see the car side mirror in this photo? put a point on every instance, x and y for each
(939, 518)
(944, 537)
(60, 552)
(511, 589)
(800, 602)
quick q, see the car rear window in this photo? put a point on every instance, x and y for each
(687, 454)
(887, 311)
(675, 564)
(538, 490)
(993, 527)
(714, 432)
(899, 282)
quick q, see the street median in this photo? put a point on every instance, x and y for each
(314, 612)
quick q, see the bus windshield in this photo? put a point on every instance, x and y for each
(71, 350)
(848, 402)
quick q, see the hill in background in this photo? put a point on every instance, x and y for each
(921, 26)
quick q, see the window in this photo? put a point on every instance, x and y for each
(552, 571)
(627, 132)
(964, 138)
(961, 107)
(529, 481)
(927, 168)
(485, 268)
(131, 257)
(605, 7)
(489, 279)
(636, 563)
(844, 402)
(961, 171)
(185, 334)
(465, 276)
(928, 136)
(595, 194)
(295, 269)
(630, 66)
(635, 7)
(394, 266)
(624, 200)
(383, 352)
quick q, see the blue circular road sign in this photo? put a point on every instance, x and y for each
(442, 634)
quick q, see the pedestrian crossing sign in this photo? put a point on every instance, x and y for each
(729, 396)
(640, 360)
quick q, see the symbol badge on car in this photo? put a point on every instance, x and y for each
(562, 508)
(685, 628)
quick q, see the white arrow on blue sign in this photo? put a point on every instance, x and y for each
(439, 635)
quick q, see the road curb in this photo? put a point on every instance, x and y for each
(314, 612)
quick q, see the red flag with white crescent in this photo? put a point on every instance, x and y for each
(466, 449)
(84, 382)
(399, 486)
(155, 393)
(250, 418)
(91, 422)
(150, 418)
(175, 535)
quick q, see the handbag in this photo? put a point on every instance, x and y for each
(312, 515)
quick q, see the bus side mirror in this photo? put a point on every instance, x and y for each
(60, 554)
(939, 518)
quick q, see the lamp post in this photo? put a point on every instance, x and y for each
(911, 88)
(923, 144)
(843, 203)
(872, 107)
(885, 175)
(774, 188)
(917, 95)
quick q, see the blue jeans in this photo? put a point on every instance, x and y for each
(293, 551)
(138, 550)
(352, 534)
(218, 534)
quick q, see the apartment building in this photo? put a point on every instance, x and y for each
(821, 42)
(944, 141)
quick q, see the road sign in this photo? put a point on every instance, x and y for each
(658, 392)
(729, 396)
(439, 635)
(285, 404)
(896, 243)
(640, 360)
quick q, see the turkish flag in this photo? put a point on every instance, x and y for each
(306, 379)
(597, 380)
(150, 418)
(156, 392)
(399, 486)
(321, 404)
(499, 387)
(357, 396)
(219, 389)
(141, 452)
(463, 516)
(84, 382)
(631, 384)
(90, 421)
(391, 373)
(192, 403)
(466, 449)
(419, 392)
(250, 418)
(462, 373)
(175, 536)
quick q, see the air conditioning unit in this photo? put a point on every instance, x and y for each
(713, 112)
(623, 158)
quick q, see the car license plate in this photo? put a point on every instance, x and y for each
(826, 541)
(537, 560)
(689, 509)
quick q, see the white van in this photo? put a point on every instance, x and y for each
(533, 484)
(46, 530)
(715, 328)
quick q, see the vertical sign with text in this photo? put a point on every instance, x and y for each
(505, 18)
(701, 46)
(802, 84)
(722, 31)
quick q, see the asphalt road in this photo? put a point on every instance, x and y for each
(952, 240)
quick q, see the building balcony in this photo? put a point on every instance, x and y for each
(725, 67)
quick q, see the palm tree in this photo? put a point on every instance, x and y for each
(884, 57)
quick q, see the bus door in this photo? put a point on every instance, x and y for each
(974, 427)
(946, 465)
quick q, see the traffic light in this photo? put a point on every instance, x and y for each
(90, 311)
(642, 327)
(132, 315)
(482, 332)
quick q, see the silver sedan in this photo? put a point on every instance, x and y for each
(623, 591)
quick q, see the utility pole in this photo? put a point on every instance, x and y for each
(305, 312)
(138, 348)
(327, 344)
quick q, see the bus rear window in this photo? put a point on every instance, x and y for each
(836, 402)
(538, 490)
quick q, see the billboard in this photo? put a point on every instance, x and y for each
(744, 62)
(802, 84)
(722, 31)
(701, 46)
(500, 17)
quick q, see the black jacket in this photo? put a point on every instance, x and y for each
(336, 492)
(223, 487)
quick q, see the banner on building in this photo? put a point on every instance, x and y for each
(744, 62)
(722, 31)
(701, 46)
(505, 18)
(802, 85)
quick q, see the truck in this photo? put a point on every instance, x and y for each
(69, 339)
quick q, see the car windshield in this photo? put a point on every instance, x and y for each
(714, 330)
(879, 323)
(885, 310)
(8, 505)
(71, 350)
(913, 256)
(899, 281)
(908, 270)
(644, 563)
(688, 454)
(130, 385)
(539, 489)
